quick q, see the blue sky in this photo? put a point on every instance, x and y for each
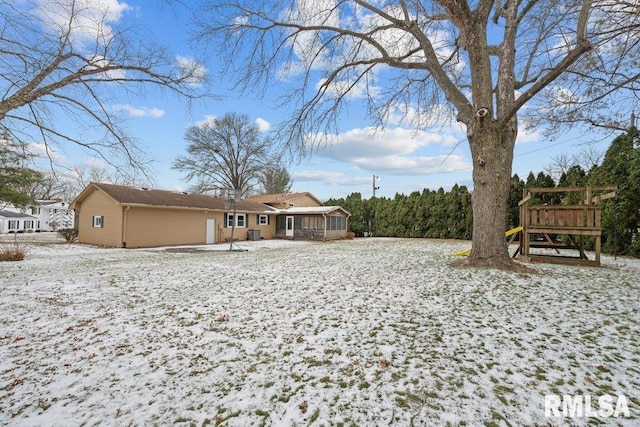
(404, 160)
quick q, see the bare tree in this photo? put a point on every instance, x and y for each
(225, 153)
(275, 179)
(67, 184)
(588, 157)
(481, 61)
(64, 64)
(70, 183)
(560, 164)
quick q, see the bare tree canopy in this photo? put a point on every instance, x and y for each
(68, 62)
(483, 62)
(227, 152)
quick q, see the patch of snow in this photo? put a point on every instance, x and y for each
(366, 332)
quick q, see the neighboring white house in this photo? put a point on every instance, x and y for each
(45, 215)
(12, 221)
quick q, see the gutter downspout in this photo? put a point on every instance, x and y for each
(324, 238)
(124, 226)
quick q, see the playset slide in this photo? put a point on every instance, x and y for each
(507, 234)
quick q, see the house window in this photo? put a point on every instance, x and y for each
(28, 225)
(241, 222)
(35, 211)
(98, 221)
(14, 224)
(263, 219)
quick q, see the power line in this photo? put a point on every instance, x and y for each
(546, 147)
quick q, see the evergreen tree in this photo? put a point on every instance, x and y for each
(513, 208)
(621, 215)
(15, 178)
(575, 176)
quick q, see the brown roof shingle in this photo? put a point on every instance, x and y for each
(280, 197)
(140, 196)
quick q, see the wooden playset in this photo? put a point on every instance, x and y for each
(562, 227)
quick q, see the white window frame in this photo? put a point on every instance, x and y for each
(242, 218)
(35, 210)
(98, 221)
(14, 224)
(29, 224)
(263, 219)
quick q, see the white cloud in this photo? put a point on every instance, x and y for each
(355, 143)
(560, 96)
(353, 89)
(208, 119)
(139, 112)
(192, 71)
(419, 165)
(429, 116)
(395, 151)
(44, 151)
(99, 61)
(89, 19)
(526, 135)
(262, 124)
(328, 177)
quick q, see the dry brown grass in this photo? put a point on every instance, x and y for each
(12, 251)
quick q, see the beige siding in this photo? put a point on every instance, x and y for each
(241, 233)
(135, 226)
(99, 204)
(336, 234)
(303, 201)
(147, 227)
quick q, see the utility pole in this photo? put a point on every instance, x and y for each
(372, 199)
(374, 186)
(232, 195)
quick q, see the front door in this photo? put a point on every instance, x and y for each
(211, 231)
(289, 226)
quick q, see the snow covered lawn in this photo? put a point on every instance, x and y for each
(363, 332)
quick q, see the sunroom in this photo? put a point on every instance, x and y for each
(312, 223)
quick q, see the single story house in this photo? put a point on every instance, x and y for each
(128, 217)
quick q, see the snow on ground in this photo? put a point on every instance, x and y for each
(362, 332)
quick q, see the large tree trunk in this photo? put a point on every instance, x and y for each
(492, 154)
